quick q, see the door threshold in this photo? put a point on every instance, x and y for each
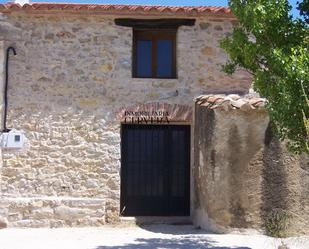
(150, 220)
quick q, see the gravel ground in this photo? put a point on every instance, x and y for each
(146, 237)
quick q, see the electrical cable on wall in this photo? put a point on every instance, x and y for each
(5, 129)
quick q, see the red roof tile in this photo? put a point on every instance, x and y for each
(232, 101)
(113, 8)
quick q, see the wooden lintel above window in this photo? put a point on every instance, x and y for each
(154, 23)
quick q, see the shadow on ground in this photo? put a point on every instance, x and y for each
(174, 229)
(180, 243)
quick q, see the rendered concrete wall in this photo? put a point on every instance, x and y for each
(242, 173)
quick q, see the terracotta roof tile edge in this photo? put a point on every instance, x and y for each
(232, 101)
(216, 10)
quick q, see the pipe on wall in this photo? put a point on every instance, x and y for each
(5, 129)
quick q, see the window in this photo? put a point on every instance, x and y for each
(154, 45)
(154, 54)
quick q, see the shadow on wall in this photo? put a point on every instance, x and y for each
(203, 143)
(179, 243)
(274, 185)
(237, 166)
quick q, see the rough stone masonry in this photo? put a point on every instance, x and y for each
(69, 86)
(69, 79)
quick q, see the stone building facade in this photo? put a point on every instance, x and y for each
(70, 86)
(68, 82)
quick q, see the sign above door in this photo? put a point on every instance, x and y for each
(155, 113)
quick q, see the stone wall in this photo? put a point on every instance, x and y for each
(71, 75)
(242, 172)
(53, 211)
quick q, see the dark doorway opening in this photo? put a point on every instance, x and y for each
(155, 170)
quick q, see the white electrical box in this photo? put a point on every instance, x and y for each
(12, 139)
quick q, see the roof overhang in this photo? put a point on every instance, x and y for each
(113, 9)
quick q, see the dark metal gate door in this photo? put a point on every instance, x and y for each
(155, 170)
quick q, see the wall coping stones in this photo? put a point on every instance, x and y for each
(231, 102)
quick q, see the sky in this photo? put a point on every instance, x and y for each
(157, 2)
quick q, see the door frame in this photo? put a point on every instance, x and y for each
(190, 161)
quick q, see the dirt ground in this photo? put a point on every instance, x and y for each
(131, 237)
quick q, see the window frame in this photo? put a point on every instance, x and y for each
(154, 35)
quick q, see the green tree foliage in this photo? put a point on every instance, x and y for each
(303, 7)
(274, 48)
